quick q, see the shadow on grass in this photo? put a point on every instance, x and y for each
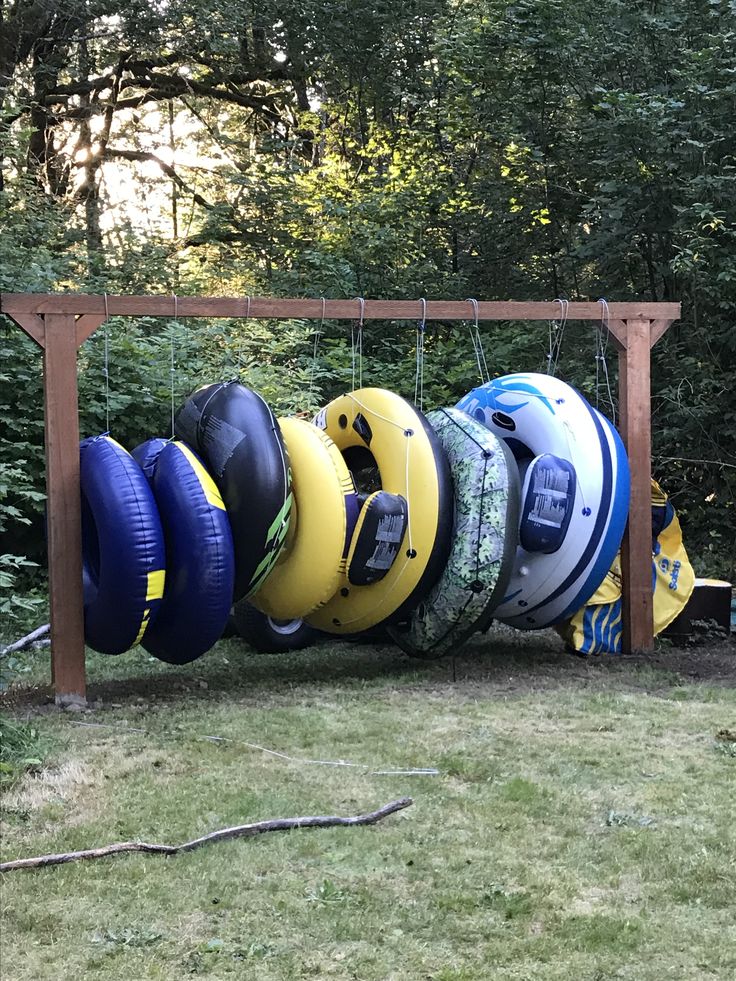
(503, 661)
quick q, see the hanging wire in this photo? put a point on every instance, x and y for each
(480, 354)
(356, 342)
(419, 377)
(240, 336)
(172, 367)
(106, 370)
(556, 333)
(601, 364)
(317, 338)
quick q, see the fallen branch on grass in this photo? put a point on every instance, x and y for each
(32, 638)
(240, 831)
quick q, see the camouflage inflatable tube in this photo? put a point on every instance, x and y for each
(485, 537)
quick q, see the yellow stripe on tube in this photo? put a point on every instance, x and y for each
(143, 627)
(154, 591)
(208, 485)
(156, 581)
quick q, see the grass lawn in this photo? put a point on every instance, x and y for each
(581, 825)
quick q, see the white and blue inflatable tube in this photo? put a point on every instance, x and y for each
(575, 493)
(123, 556)
(199, 553)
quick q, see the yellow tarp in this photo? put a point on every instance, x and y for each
(597, 627)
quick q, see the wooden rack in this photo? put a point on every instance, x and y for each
(60, 322)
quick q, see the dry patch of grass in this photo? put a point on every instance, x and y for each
(580, 825)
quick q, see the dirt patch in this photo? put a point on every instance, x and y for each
(503, 661)
(63, 785)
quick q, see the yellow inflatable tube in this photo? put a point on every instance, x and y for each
(308, 574)
(373, 422)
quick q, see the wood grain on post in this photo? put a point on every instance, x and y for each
(64, 521)
(636, 549)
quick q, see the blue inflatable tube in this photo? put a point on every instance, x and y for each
(123, 556)
(199, 553)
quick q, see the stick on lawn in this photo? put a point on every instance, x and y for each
(239, 831)
(34, 637)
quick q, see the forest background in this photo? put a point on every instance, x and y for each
(431, 148)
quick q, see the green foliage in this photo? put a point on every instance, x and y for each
(21, 749)
(534, 149)
(13, 605)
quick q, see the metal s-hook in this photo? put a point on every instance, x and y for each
(356, 340)
(172, 368)
(246, 318)
(601, 346)
(480, 355)
(106, 368)
(556, 331)
(474, 305)
(317, 338)
(419, 377)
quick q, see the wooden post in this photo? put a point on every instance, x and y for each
(64, 523)
(635, 425)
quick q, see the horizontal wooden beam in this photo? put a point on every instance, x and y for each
(261, 307)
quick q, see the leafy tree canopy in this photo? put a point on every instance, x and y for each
(438, 148)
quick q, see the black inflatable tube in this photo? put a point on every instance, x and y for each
(236, 434)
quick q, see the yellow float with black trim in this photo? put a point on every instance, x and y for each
(402, 539)
(308, 572)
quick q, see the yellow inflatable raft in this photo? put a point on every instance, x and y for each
(309, 572)
(372, 426)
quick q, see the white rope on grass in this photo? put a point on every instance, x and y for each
(428, 771)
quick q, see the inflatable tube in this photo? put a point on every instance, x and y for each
(237, 436)
(123, 555)
(374, 426)
(597, 628)
(146, 456)
(307, 574)
(575, 496)
(199, 554)
(267, 635)
(485, 536)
